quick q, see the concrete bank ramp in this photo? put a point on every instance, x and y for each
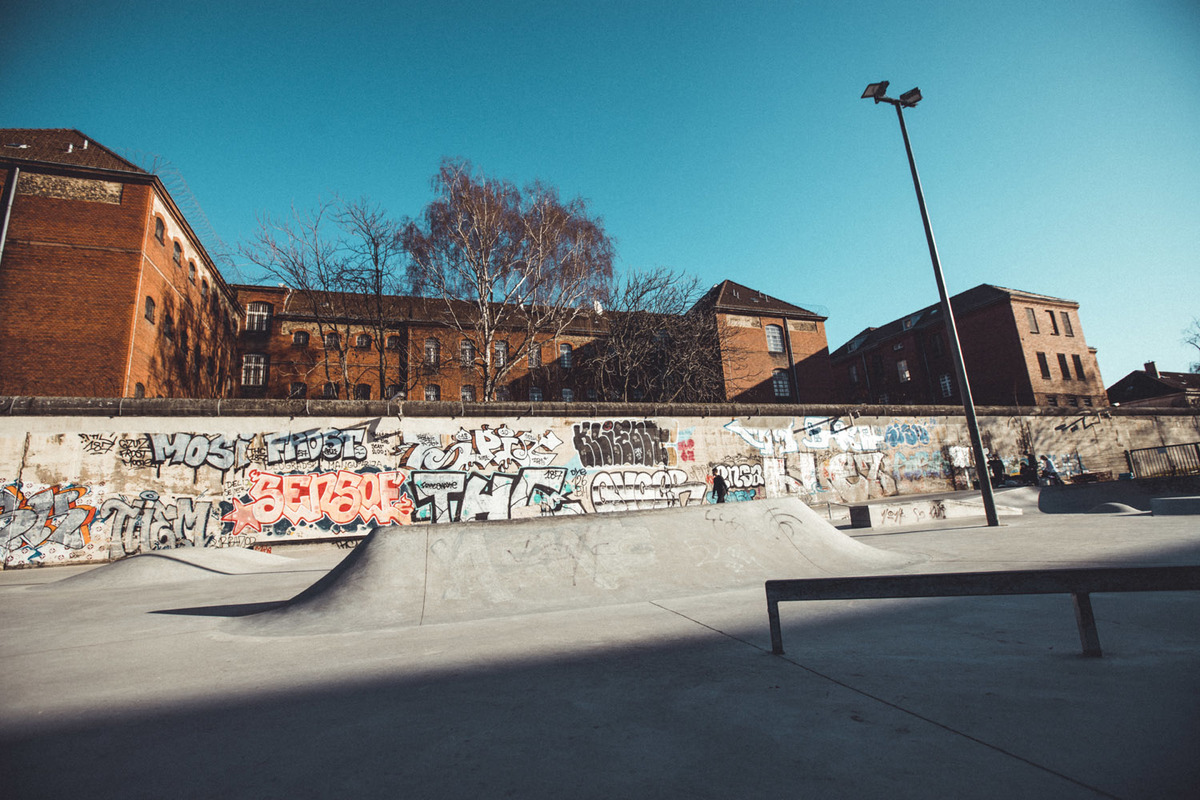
(172, 566)
(419, 575)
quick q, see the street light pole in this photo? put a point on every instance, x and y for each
(877, 91)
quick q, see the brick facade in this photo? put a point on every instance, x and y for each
(80, 259)
(1019, 348)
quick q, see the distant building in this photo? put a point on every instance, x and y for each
(290, 348)
(775, 352)
(1019, 348)
(1150, 387)
(105, 290)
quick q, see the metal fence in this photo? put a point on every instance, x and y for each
(1173, 459)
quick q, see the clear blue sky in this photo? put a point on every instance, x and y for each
(1058, 142)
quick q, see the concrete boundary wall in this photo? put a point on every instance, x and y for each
(85, 479)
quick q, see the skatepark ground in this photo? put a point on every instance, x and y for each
(155, 678)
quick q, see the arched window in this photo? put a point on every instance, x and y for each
(362, 391)
(781, 384)
(192, 271)
(393, 342)
(150, 309)
(203, 288)
(332, 341)
(330, 391)
(433, 392)
(565, 356)
(774, 338)
(466, 352)
(168, 326)
(433, 353)
(258, 317)
(395, 391)
(160, 230)
(139, 390)
(363, 341)
(300, 338)
(177, 254)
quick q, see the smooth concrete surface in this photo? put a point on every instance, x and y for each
(1175, 505)
(148, 691)
(421, 575)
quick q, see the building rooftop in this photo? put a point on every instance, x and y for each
(982, 295)
(730, 296)
(61, 146)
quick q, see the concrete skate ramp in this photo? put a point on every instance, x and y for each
(171, 566)
(1137, 493)
(420, 575)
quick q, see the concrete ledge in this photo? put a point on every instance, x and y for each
(917, 512)
(1162, 506)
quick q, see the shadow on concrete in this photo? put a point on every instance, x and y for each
(962, 697)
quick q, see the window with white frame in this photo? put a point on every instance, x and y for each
(433, 352)
(568, 395)
(433, 391)
(774, 338)
(501, 353)
(565, 356)
(300, 338)
(946, 386)
(332, 341)
(535, 394)
(258, 316)
(466, 353)
(254, 369)
(467, 393)
(363, 341)
(535, 355)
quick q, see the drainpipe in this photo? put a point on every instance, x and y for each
(11, 192)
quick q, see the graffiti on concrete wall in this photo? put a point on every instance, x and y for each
(617, 442)
(340, 498)
(34, 522)
(767, 441)
(151, 522)
(632, 490)
(480, 448)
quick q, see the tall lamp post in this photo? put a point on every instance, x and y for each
(878, 93)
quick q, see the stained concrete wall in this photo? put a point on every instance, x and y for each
(93, 480)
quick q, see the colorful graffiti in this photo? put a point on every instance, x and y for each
(630, 490)
(339, 498)
(54, 515)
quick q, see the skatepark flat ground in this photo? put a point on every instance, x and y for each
(151, 689)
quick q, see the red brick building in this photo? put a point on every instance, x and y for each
(290, 350)
(1019, 348)
(105, 289)
(775, 352)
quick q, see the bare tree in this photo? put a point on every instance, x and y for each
(500, 263)
(342, 263)
(659, 346)
(1191, 336)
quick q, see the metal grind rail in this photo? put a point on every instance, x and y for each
(1079, 583)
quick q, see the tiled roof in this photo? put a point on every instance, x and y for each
(730, 296)
(1182, 381)
(60, 146)
(982, 295)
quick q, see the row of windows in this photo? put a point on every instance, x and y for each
(160, 233)
(1031, 317)
(1063, 367)
(1071, 400)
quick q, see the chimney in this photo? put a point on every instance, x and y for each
(1151, 369)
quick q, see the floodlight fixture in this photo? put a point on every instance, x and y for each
(910, 98)
(876, 91)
